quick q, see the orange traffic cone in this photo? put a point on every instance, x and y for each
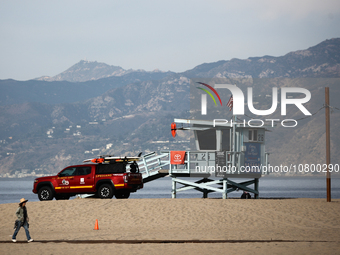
(96, 226)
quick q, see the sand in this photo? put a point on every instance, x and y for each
(176, 226)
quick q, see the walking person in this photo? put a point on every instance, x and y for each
(22, 221)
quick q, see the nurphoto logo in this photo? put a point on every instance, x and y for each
(236, 102)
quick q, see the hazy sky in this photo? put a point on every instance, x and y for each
(46, 37)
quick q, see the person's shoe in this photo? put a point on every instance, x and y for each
(14, 240)
(31, 240)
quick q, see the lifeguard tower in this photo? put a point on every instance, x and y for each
(226, 152)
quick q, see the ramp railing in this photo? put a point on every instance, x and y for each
(151, 163)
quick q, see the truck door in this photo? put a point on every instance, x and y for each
(84, 179)
(75, 180)
(65, 180)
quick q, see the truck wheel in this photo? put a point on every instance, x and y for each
(105, 191)
(122, 194)
(45, 193)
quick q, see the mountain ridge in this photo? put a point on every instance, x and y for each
(321, 60)
(92, 70)
(86, 70)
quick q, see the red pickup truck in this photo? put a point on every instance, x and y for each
(103, 179)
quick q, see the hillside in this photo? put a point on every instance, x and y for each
(45, 126)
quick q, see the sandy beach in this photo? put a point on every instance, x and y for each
(176, 226)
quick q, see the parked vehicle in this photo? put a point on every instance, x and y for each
(103, 177)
